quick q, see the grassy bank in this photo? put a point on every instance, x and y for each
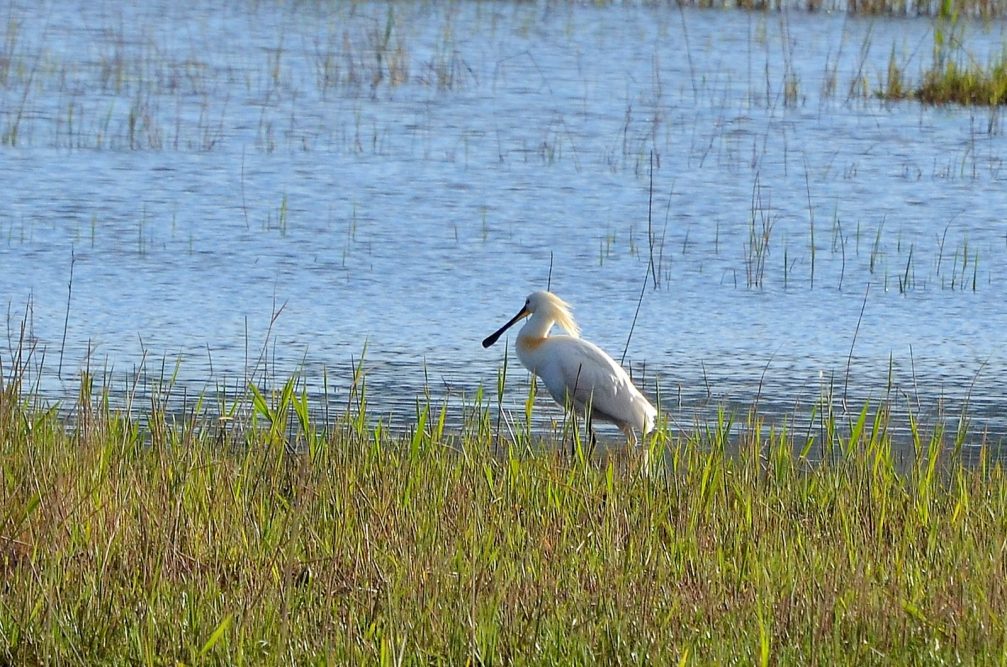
(158, 540)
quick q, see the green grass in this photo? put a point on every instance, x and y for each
(163, 539)
(951, 81)
(965, 84)
(955, 76)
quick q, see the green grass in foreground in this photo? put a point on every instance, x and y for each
(156, 541)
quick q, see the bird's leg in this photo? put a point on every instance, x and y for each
(573, 438)
(630, 436)
(573, 433)
(591, 434)
(631, 442)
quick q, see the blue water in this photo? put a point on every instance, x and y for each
(211, 171)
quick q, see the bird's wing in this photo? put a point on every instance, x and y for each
(588, 376)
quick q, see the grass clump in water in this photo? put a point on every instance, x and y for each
(955, 77)
(965, 84)
(157, 539)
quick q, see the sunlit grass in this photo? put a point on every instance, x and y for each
(177, 537)
(955, 75)
(965, 84)
(951, 81)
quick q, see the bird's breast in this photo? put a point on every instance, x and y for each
(530, 343)
(530, 350)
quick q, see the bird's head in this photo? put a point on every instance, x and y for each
(545, 305)
(549, 306)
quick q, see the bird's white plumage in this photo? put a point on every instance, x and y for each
(577, 373)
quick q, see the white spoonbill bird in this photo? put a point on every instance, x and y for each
(576, 373)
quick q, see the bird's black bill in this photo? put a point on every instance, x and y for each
(495, 336)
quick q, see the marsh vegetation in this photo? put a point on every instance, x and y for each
(161, 538)
(799, 209)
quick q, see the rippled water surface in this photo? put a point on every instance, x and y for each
(271, 187)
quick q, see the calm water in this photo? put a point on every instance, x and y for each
(400, 176)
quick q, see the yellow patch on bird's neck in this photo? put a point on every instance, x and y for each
(529, 343)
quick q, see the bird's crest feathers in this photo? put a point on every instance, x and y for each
(557, 309)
